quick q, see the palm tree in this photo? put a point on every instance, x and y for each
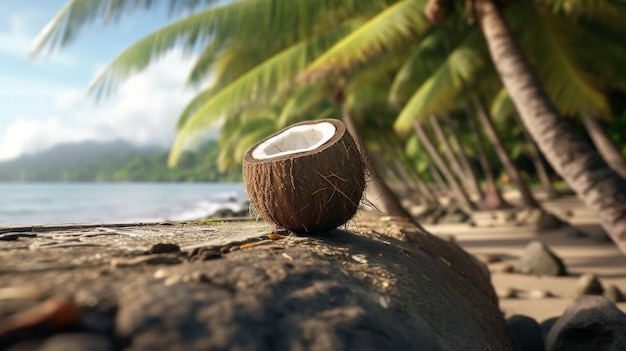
(572, 157)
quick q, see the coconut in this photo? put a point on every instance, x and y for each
(307, 178)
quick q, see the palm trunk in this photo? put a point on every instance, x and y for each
(604, 145)
(504, 157)
(416, 184)
(453, 161)
(537, 158)
(401, 177)
(496, 200)
(457, 190)
(576, 161)
(442, 187)
(389, 201)
(468, 170)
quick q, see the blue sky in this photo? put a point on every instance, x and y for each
(43, 100)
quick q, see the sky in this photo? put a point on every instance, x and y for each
(43, 100)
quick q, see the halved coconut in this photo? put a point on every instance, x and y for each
(307, 178)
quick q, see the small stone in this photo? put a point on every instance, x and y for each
(361, 258)
(161, 274)
(171, 280)
(163, 248)
(506, 293)
(589, 323)
(540, 294)
(524, 332)
(614, 294)
(206, 255)
(589, 284)
(548, 221)
(538, 259)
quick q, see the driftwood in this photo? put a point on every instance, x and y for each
(379, 284)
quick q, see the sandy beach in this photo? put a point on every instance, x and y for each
(506, 242)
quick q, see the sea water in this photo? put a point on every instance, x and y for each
(45, 203)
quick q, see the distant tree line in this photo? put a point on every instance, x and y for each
(197, 166)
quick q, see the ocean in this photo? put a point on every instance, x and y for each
(46, 203)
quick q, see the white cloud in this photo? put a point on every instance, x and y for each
(143, 111)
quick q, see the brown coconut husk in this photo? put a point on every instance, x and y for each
(310, 191)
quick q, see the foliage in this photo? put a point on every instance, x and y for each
(196, 166)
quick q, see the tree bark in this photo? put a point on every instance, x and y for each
(457, 190)
(484, 163)
(537, 158)
(468, 170)
(576, 161)
(453, 161)
(604, 145)
(388, 199)
(415, 184)
(508, 164)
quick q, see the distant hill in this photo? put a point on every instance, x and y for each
(113, 161)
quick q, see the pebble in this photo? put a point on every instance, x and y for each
(361, 258)
(540, 294)
(589, 284)
(163, 248)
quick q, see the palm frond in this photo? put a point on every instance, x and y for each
(261, 83)
(502, 106)
(437, 94)
(569, 86)
(65, 26)
(389, 28)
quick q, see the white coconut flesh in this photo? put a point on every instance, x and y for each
(294, 140)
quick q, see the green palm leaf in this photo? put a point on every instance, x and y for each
(261, 83)
(66, 25)
(389, 28)
(437, 94)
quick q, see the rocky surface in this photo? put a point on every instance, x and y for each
(589, 323)
(379, 284)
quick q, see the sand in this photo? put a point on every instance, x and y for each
(591, 254)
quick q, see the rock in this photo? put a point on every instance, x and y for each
(525, 333)
(614, 294)
(588, 284)
(547, 221)
(546, 326)
(164, 248)
(589, 323)
(223, 213)
(540, 294)
(76, 342)
(538, 259)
